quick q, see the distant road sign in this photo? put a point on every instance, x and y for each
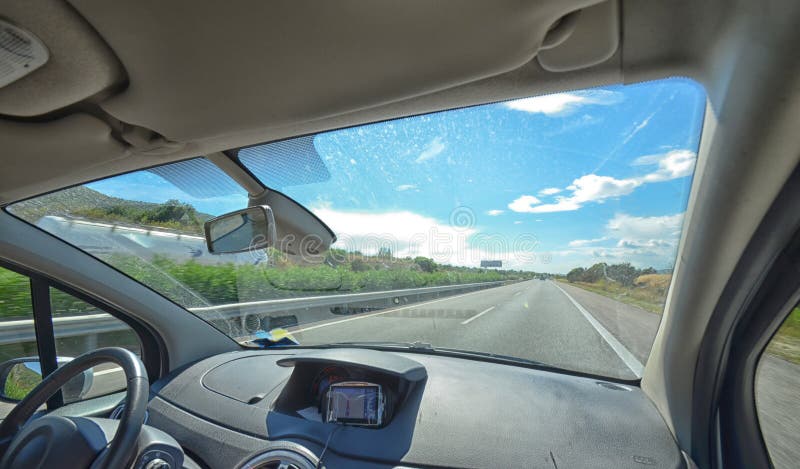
(491, 263)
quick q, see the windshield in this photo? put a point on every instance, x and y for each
(543, 228)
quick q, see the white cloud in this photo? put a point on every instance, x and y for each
(644, 230)
(672, 165)
(563, 205)
(517, 222)
(404, 232)
(563, 103)
(549, 191)
(431, 150)
(595, 188)
(405, 187)
(410, 234)
(524, 204)
(586, 242)
(642, 241)
(650, 243)
(494, 213)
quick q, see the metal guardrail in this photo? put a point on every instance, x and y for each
(312, 308)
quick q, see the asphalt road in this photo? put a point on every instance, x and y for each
(534, 320)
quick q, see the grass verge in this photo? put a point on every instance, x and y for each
(649, 293)
(646, 298)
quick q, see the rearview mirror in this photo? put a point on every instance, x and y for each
(20, 375)
(243, 230)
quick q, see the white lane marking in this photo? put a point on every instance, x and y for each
(393, 310)
(478, 315)
(622, 352)
(517, 293)
(116, 369)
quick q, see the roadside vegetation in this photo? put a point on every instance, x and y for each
(786, 342)
(20, 382)
(196, 284)
(83, 202)
(644, 288)
(15, 299)
(647, 289)
(232, 283)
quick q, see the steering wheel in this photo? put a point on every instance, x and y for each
(54, 441)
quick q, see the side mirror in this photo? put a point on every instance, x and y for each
(242, 230)
(20, 375)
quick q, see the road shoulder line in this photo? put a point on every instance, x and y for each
(622, 352)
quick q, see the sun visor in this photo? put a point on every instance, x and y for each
(198, 177)
(202, 69)
(41, 156)
(292, 162)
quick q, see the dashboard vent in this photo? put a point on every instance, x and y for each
(283, 455)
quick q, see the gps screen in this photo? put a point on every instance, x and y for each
(354, 403)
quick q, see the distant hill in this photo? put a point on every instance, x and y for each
(83, 202)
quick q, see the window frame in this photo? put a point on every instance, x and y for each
(153, 349)
(757, 299)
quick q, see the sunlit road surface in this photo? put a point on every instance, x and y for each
(535, 320)
(560, 325)
(549, 322)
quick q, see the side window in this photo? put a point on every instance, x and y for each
(77, 327)
(17, 334)
(777, 392)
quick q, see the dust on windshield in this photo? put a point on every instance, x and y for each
(542, 228)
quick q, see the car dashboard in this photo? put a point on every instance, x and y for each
(264, 408)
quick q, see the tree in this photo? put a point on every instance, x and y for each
(595, 273)
(358, 265)
(425, 264)
(576, 275)
(623, 273)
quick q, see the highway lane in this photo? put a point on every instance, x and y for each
(633, 326)
(534, 320)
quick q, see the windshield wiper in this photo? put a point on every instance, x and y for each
(494, 357)
(383, 344)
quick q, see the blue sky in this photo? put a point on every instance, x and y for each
(544, 184)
